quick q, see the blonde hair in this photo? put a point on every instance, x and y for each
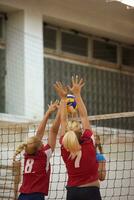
(71, 139)
(30, 150)
(73, 125)
(19, 149)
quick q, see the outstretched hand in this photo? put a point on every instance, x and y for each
(60, 89)
(53, 106)
(76, 85)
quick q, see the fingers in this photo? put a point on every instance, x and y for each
(75, 80)
(82, 85)
(58, 86)
(48, 105)
(77, 84)
(81, 81)
(60, 89)
(54, 104)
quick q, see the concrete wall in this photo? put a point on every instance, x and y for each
(15, 63)
(25, 77)
(34, 65)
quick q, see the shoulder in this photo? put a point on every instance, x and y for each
(46, 149)
(87, 136)
(87, 133)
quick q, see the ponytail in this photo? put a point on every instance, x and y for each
(100, 148)
(19, 149)
(71, 143)
(29, 150)
(98, 144)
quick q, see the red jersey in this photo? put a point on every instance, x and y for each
(84, 169)
(37, 171)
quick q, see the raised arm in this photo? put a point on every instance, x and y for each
(62, 93)
(76, 90)
(51, 108)
(54, 131)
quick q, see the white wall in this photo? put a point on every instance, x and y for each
(25, 68)
(15, 64)
(34, 66)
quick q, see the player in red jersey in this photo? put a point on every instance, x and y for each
(78, 148)
(36, 172)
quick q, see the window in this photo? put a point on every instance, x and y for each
(104, 51)
(49, 37)
(73, 43)
(128, 56)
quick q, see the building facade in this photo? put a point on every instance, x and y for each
(45, 41)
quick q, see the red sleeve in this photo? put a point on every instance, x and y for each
(46, 147)
(87, 134)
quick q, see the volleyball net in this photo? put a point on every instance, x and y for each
(117, 137)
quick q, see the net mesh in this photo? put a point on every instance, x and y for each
(117, 138)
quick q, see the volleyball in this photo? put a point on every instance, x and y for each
(71, 103)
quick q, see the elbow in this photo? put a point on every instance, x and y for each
(102, 175)
(101, 178)
(102, 171)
